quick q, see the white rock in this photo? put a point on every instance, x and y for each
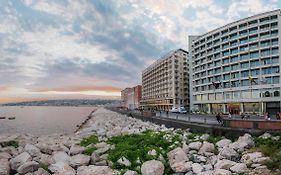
(5, 155)
(177, 155)
(255, 157)
(195, 145)
(243, 143)
(207, 147)
(181, 167)
(32, 150)
(197, 168)
(19, 160)
(45, 159)
(76, 149)
(265, 136)
(152, 167)
(41, 171)
(79, 160)
(239, 168)
(4, 167)
(229, 153)
(95, 158)
(222, 172)
(28, 167)
(224, 164)
(185, 148)
(198, 158)
(204, 137)
(130, 172)
(224, 142)
(152, 152)
(61, 156)
(124, 161)
(95, 170)
(62, 168)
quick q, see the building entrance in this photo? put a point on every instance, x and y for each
(273, 107)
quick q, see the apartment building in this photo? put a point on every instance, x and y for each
(236, 68)
(130, 97)
(165, 83)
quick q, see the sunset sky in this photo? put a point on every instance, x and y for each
(54, 49)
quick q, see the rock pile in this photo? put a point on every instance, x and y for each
(62, 154)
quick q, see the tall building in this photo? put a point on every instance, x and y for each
(165, 83)
(130, 97)
(236, 68)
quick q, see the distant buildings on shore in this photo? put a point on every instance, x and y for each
(234, 68)
(131, 97)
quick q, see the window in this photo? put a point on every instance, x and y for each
(274, 51)
(224, 61)
(219, 96)
(244, 40)
(244, 32)
(255, 93)
(265, 35)
(262, 20)
(235, 75)
(226, 69)
(265, 43)
(274, 33)
(245, 65)
(241, 26)
(225, 53)
(217, 63)
(275, 80)
(224, 46)
(217, 70)
(274, 41)
(226, 76)
(253, 46)
(244, 48)
(245, 82)
(253, 38)
(274, 60)
(254, 54)
(246, 94)
(254, 63)
(253, 30)
(233, 43)
(234, 67)
(227, 95)
(233, 36)
(236, 95)
(234, 51)
(212, 96)
(270, 70)
(245, 73)
(273, 25)
(253, 22)
(255, 72)
(244, 56)
(224, 39)
(235, 84)
(233, 29)
(265, 52)
(235, 58)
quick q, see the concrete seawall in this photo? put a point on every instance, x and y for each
(198, 127)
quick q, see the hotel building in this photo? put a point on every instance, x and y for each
(236, 68)
(165, 83)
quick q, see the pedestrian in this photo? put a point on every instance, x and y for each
(278, 116)
(229, 115)
(167, 112)
(218, 117)
(160, 113)
(265, 116)
(248, 116)
(242, 116)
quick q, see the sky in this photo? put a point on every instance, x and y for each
(57, 49)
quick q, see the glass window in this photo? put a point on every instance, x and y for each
(253, 30)
(253, 46)
(235, 75)
(246, 94)
(245, 65)
(226, 76)
(234, 67)
(212, 96)
(265, 52)
(233, 36)
(265, 43)
(244, 48)
(224, 61)
(275, 80)
(225, 53)
(255, 63)
(224, 46)
(253, 38)
(274, 41)
(245, 73)
(244, 40)
(254, 54)
(255, 93)
(274, 60)
(255, 72)
(219, 96)
(234, 51)
(234, 83)
(274, 51)
(244, 56)
(265, 35)
(226, 68)
(236, 95)
(227, 95)
(235, 58)
(204, 97)
(274, 33)
(265, 19)
(217, 70)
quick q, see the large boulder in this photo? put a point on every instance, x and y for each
(45, 159)
(239, 168)
(79, 160)
(181, 167)
(32, 150)
(61, 168)
(177, 155)
(255, 157)
(76, 149)
(221, 172)
(243, 143)
(195, 145)
(5, 155)
(4, 167)
(224, 142)
(20, 160)
(224, 164)
(197, 168)
(61, 156)
(229, 153)
(152, 167)
(28, 167)
(95, 170)
(206, 147)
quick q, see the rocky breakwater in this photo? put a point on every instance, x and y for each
(112, 144)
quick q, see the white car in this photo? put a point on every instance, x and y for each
(174, 110)
(182, 110)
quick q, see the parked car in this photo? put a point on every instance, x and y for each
(182, 110)
(174, 110)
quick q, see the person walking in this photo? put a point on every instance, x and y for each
(242, 116)
(218, 117)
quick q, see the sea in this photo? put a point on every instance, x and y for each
(41, 120)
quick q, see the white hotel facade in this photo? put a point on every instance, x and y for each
(243, 58)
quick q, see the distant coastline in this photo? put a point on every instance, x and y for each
(68, 102)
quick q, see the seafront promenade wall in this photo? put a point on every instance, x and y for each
(218, 130)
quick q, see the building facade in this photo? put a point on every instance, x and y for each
(130, 97)
(236, 68)
(165, 83)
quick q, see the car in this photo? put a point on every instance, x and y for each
(182, 110)
(174, 110)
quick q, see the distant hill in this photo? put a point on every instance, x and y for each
(73, 102)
